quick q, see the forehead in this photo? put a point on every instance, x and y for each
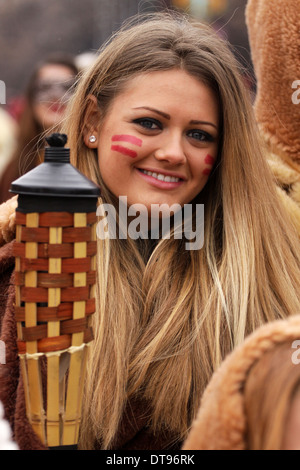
(173, 90)
(163, 79)
(55, 72)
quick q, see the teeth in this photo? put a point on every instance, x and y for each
(160, 177)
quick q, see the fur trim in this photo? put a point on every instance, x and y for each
(221, 421)
(274, 41)
(7, 220)
(283, 172)
(288, 186)
(292, 208)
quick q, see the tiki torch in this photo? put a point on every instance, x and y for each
(55, 276)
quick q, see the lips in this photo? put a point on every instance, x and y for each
(57, 108)
(157, 179)
(161, 177)
(162, 173)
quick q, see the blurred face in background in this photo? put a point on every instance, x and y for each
(51, 94)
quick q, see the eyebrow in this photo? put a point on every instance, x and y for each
(167, 116)
(206, 123)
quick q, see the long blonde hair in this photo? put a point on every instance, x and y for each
(164, 324)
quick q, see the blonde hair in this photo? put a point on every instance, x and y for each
(164, 324)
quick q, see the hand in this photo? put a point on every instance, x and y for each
(6, 442)
(7, 220)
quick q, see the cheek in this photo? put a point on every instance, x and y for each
(111, 176)
(127, 138)
(126, 150)
(115, 164)
(208, 164)
(44, 116)
(39, 110)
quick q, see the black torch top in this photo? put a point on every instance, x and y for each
(55, 185)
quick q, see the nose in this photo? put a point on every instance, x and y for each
(171, 150)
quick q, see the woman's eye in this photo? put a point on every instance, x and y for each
(202, 136)
(148, 123)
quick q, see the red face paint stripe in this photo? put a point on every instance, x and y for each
(209, 159)
(124, 150)
(127, 138)
(206, 171)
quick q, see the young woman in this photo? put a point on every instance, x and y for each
(162, 117)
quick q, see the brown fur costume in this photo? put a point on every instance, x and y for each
(221, 423)
(274, 35)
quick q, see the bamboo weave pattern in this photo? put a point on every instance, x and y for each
(55, 278)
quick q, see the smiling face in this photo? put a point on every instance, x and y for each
(159, 140)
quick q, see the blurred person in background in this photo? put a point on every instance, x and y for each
(274, 36)
(46, 98)
(8, 135)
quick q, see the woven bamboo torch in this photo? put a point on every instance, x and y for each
(55, 272)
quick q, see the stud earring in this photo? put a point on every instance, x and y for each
(92, 139)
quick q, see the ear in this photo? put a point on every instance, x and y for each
(91, 122)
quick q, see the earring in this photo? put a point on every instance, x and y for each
(92, 139)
